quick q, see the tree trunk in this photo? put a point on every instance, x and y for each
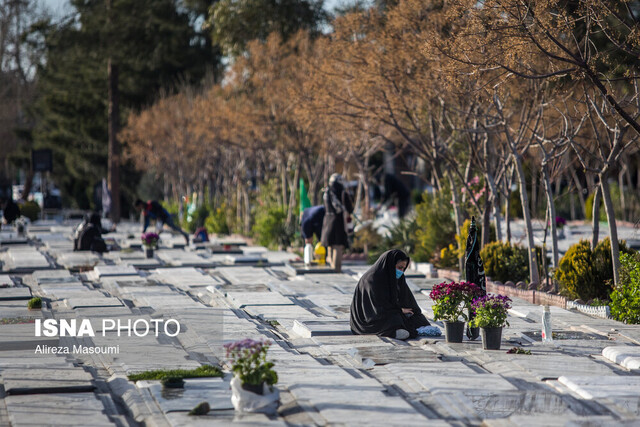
(581, 191)
(623, 203)
(486, 218)
(596, 218)
(114, 145)
(534, 276)
(552, 214)
(613, 229)
(456, 217)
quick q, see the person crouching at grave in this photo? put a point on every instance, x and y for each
(10, 210)
(337, 206)
(88, 235)
(311, 223)
(154, 210)
(383, 304)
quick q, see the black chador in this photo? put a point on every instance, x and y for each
(473, 267)
(380, 297)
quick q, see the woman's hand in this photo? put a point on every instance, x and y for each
(407, 311)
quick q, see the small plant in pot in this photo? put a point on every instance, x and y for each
(254, 377)
(150, 242)
(34, 303)
(490, 316)
(452, 301)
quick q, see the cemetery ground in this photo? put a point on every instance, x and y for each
(201, 297)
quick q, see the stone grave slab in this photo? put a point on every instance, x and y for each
(240, 275)
(477, 405)
(626, 356)
(215, 391)
(254, 259)
(5, 281)
(93, 302)
(299, 268)
(280, 257)
(383, 355)
(11, 238)
(444, 377)
(22, 337)
(597, 387)
(114, 270)
(50, 275)
(77, 260)
(46, 380)
(314, 328)
(15, 311)
(554, 366)
(59, 409)
(9, 294)
(243, 299)
(279, 312)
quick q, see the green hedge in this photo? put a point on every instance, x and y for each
(504, 262)
(625, 299)
(586, 274)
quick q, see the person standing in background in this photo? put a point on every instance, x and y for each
(338, 206)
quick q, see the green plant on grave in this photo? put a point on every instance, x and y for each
(200, 409)
(249, 361)
(518, 350)
(34, 303)
(490, 311)
(625, 298)
(586, 274)
(159, 374)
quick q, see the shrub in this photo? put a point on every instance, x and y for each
(449, 257)
(31, 210)
(197, 218)
(586, 274)
(503, 262)
(401, 236)
(625, 299)
(216, 222)
(34, 303)
(369, 237)
(435, 226)
(270, 228)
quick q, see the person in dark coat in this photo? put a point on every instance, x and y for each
(337, 206)
(88, 236)
(311, 223)
(10, 210)
(154, 210)
(383, 304)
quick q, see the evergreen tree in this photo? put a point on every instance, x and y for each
(155, 46)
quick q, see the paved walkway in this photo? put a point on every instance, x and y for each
(327, 376)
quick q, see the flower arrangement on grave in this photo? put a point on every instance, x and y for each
(560, 222)
(250, 365)
(150, 240)
(490, 311)
(453, 299)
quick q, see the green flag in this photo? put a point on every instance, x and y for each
(304, 199)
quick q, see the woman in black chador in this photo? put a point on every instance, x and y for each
(383, 304)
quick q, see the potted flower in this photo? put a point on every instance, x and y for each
(150, 242)
(254, 377)
(451, 301)
(491, 316)
(560, 223)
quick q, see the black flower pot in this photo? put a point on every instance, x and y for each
(453, 331)
(148, 252)
(491, 338)
(253, 388)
